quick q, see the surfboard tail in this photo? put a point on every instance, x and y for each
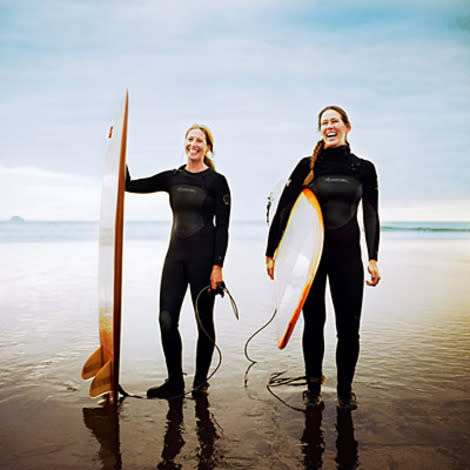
(289, 330)
(103, 381)
(103, 373)
(291, 325)
(93, 364)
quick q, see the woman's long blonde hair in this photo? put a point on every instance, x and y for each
(321, 144)
(209, 141)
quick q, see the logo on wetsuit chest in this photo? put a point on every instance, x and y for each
(186, 188)
(334, 179)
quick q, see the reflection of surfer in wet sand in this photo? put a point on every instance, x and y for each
(173, 440)
(200, 201)
(340, 180)
(347, 455)
(313, 439)
(207, 457)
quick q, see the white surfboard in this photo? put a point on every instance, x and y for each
(103, 364)
(296, 261)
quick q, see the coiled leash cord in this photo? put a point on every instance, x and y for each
(276, 380)
(221, 290)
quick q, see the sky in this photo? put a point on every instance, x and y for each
(257, 73)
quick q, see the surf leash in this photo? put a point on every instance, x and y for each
(245, 349)
(276, 379)
(126, 394)
(221, 290)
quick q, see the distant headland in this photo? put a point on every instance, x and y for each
(16, 218)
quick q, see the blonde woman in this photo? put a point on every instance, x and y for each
(200, 202)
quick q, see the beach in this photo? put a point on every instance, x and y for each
(412, 378)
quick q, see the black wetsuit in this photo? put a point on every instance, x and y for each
(201, 209)
(340, 181)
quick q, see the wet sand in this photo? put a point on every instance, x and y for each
(412, 378)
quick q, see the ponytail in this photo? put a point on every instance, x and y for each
(316, 151)
(209, 163)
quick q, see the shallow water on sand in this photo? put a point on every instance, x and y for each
(412, 378)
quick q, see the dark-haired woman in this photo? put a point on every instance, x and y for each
(340, 180)
(200, 201)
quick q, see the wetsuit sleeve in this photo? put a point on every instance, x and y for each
(158, 182)
(370, 211)
(288, 197)
(222, 217)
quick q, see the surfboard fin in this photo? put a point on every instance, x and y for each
(93, 364)
(103, 381)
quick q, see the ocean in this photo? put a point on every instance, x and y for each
(52, 231)
(412, 378)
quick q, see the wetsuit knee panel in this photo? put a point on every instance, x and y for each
(167, 322)
(348, 332)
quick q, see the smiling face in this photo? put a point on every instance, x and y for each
(334, 130)
(195, 145)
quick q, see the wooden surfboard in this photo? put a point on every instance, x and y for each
(296, 261)
(103, 364)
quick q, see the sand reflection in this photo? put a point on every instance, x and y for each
(313, 440)
(104, 423)
(313, 443)
(347, 455)
(206, 455)
(173, 440)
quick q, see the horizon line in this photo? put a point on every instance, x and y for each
(20, 219)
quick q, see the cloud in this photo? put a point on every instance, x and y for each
(34, 193)
(256, 72)
(37, 194)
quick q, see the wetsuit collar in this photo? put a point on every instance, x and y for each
(336, 153)
(183, 168)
